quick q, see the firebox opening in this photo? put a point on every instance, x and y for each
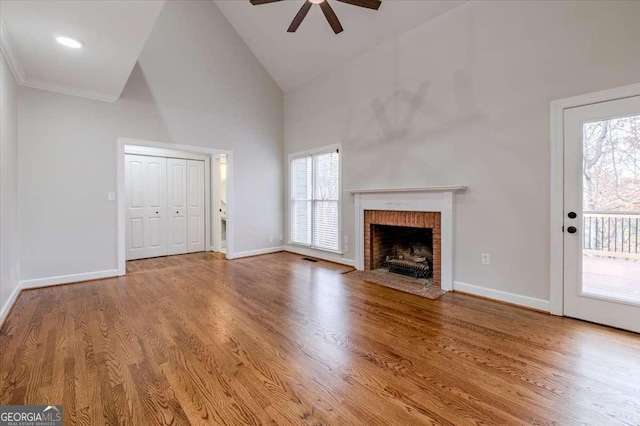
(402, 249)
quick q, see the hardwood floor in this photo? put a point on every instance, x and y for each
(275, 339)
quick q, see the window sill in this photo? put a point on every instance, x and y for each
(316, 248)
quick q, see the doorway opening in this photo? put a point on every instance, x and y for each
(221, 171)
(172, 199)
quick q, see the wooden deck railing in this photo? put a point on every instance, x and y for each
(612, 234)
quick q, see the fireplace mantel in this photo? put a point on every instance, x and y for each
(444, 188)
(435, 199)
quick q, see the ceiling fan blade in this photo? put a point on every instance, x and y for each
(257, 2)
(331, 17)
(369, 4)
(300, 17)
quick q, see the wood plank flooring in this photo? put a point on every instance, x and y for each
(274, 339)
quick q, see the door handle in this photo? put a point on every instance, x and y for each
(572, 229)
(572, 215)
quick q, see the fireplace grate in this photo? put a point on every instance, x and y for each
(407, 267)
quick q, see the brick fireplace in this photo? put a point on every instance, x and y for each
(427, 208)
(386, 231)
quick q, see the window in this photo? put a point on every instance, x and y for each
(315, 200)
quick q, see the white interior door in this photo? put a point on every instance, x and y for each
(177, 198)
(145, 191)
(602, 213)
(195, 206)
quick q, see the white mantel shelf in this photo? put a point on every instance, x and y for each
(446, 188)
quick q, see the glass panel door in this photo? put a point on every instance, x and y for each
(611, 202)
(602, 213)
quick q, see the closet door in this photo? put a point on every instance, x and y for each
(177, 198)
(195, 203)
(145, 191)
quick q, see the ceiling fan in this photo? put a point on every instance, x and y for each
(326, 9)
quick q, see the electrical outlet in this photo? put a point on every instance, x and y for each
(281, 237)
(111, 196)
(270, 238)
(486, 259)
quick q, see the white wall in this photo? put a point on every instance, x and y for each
(464, 99)
(9, 236)
(196, 83)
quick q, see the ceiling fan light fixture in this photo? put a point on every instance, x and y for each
(327, 10)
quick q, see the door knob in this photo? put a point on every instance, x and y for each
(572, 215)
(572, 229)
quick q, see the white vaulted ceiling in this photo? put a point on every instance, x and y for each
(114, 33)
(295, 58)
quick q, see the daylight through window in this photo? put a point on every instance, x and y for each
(315, 200)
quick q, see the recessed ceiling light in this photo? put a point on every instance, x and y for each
(316, 1)
(69, 42)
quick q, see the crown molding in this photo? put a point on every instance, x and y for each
(21, 77)
(10, 54)
(68, 90)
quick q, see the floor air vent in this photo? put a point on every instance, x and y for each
(308, 259)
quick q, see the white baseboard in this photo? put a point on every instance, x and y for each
(258, 252)
(9, 303)
(67, 279)
(503, 296)
(330, 257)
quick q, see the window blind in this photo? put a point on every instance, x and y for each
(315, 200)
